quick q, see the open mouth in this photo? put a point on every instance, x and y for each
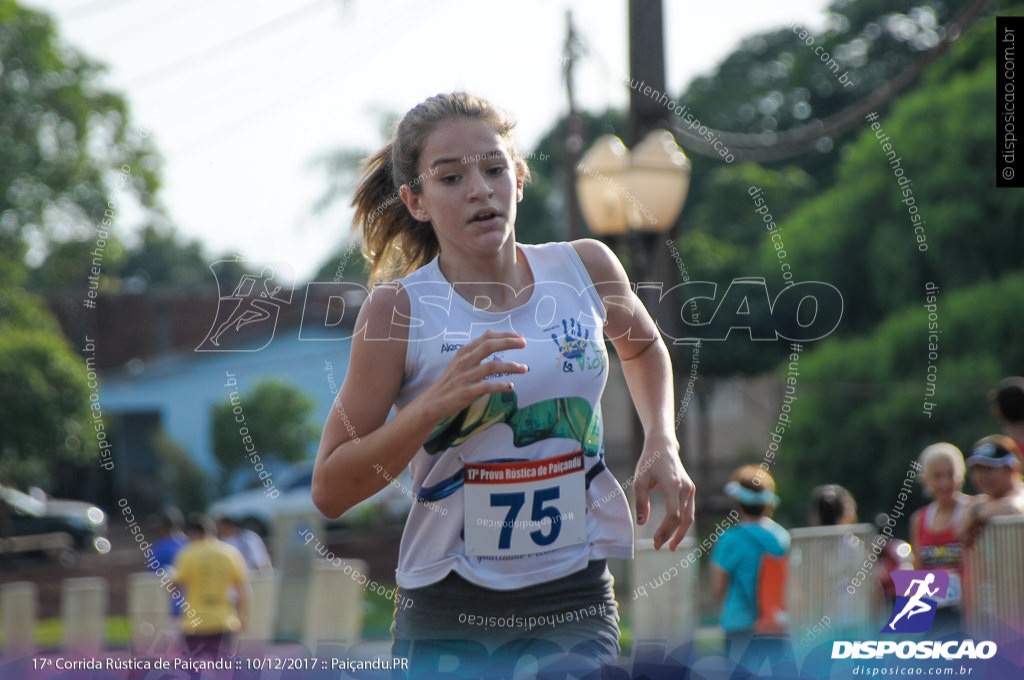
(484, 216)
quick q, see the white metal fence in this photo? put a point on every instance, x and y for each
(993, 597)
(828, 585)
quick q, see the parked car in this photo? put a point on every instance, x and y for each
(39, 524)
(253, 509)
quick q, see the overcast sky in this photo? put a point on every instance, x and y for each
(240, 97)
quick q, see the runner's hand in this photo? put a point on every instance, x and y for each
(659, 468)
(464, 378)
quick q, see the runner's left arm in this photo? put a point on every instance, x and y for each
(648, 371)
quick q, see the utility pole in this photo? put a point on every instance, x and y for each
(573, 145)
(648, 111)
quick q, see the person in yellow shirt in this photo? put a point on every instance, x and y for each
(215, 582)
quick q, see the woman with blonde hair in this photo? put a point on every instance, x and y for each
(933, 528)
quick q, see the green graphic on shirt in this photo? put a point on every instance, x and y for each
(564, 417)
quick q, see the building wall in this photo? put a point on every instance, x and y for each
(183, 389)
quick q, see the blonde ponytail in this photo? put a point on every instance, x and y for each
(394, 242)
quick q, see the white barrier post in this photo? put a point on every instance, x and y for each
(83, 606)
(259, 623)
(823, 566)
(665, 605)
(149, 614)
(294, 541)
(993, 598)
(334, 607)
(19, 604)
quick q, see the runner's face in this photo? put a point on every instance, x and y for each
(470, 189)
(940, 480)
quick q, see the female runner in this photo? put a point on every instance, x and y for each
(492, 355)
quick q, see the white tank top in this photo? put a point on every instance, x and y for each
(554, 410)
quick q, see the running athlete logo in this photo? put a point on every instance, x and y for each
(914, 611)
(254, 304)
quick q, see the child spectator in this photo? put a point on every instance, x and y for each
(831, 504)
(736, 563)
(995, 471)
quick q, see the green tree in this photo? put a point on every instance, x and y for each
(776, 81)
(163, 257)
(859, 235)
(44, 396)
(64, 139)
(344, 264)
(723, 234)
(69, 265)
(280, 427)
(183, 480)
(66, 153)
(860, 416)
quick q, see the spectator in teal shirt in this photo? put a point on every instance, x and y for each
(736, 560)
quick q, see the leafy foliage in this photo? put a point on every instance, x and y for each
(44, 395)
(183, 480)
(63, 138)
(861, 416)
(860, 419)
(859, 235)
(278, 418)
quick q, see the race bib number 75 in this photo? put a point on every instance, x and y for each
(525, 507)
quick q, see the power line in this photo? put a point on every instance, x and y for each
(278, 99)
(298, 52)
(221, 49)
(769, 147)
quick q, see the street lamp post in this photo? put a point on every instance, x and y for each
(636, 196)
(639, 193)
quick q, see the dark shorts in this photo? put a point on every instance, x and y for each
(456, 622)
(212, 646)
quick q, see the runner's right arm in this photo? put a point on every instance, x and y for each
(360, 449)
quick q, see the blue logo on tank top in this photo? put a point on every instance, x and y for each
(574, 348)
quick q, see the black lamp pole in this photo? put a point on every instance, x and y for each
(646, 69)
